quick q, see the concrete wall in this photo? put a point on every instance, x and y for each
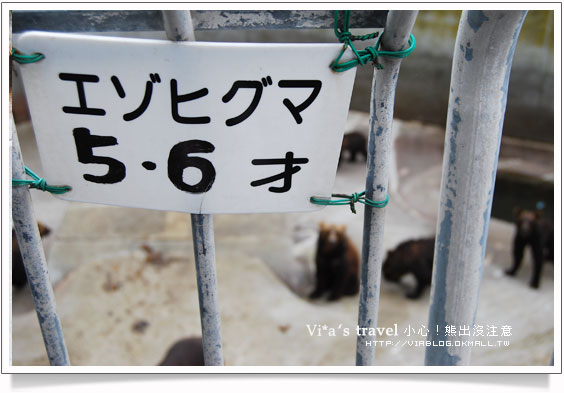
(425, 77)
(423, 86)
(424, 81)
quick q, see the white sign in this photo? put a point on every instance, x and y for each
(195, 127)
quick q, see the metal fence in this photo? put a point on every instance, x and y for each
(481, 65)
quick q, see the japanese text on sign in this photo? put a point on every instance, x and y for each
(173, 126)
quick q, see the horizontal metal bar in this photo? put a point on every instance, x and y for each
(139, 20)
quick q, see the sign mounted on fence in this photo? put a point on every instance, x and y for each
(187, 126)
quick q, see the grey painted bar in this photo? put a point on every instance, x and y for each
(34, 261)
(396, 36)
(179, 27)
(478, 95)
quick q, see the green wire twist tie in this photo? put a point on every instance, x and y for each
(39, 183)
(370, 53)
(26, 59)
(350, 200)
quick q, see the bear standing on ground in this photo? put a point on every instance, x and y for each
(337, 263)
(535, 231)
(415, 257)
(354, 143)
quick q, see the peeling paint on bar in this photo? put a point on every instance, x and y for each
(472, 142)
(34, 261)
(476, 19)
(398, 28)
(179, 27)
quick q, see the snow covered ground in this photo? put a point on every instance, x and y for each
(126, 290)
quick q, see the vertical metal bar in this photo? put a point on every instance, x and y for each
(204, 252)
(178, 27)
(34, 261)
(480, 76)
(396, 35)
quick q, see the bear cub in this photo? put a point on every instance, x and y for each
(412, 256)
(337, 263)
(185, 352)
(354, 143)
(533, 230)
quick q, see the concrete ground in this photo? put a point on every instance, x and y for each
(125, 285)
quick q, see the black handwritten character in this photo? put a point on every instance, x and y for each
(289, 170)
(178, 161)
(154, 78)
(296, 110)
(85, 142)
(258, 86)
(180, 98)
(80, 79)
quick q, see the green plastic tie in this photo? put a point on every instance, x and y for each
(370, 53)
(39, 183)
(349, 200)
(26, 59)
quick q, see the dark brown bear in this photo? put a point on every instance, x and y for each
(19, 277)
(185, 352)
(354, 143)
(535, 231)
(412, 256)
(337, 263)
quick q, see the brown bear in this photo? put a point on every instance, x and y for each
(185, 352)
(532, 229)
(337, 263)
(19, 276)
(412, 256)
(354, 143)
